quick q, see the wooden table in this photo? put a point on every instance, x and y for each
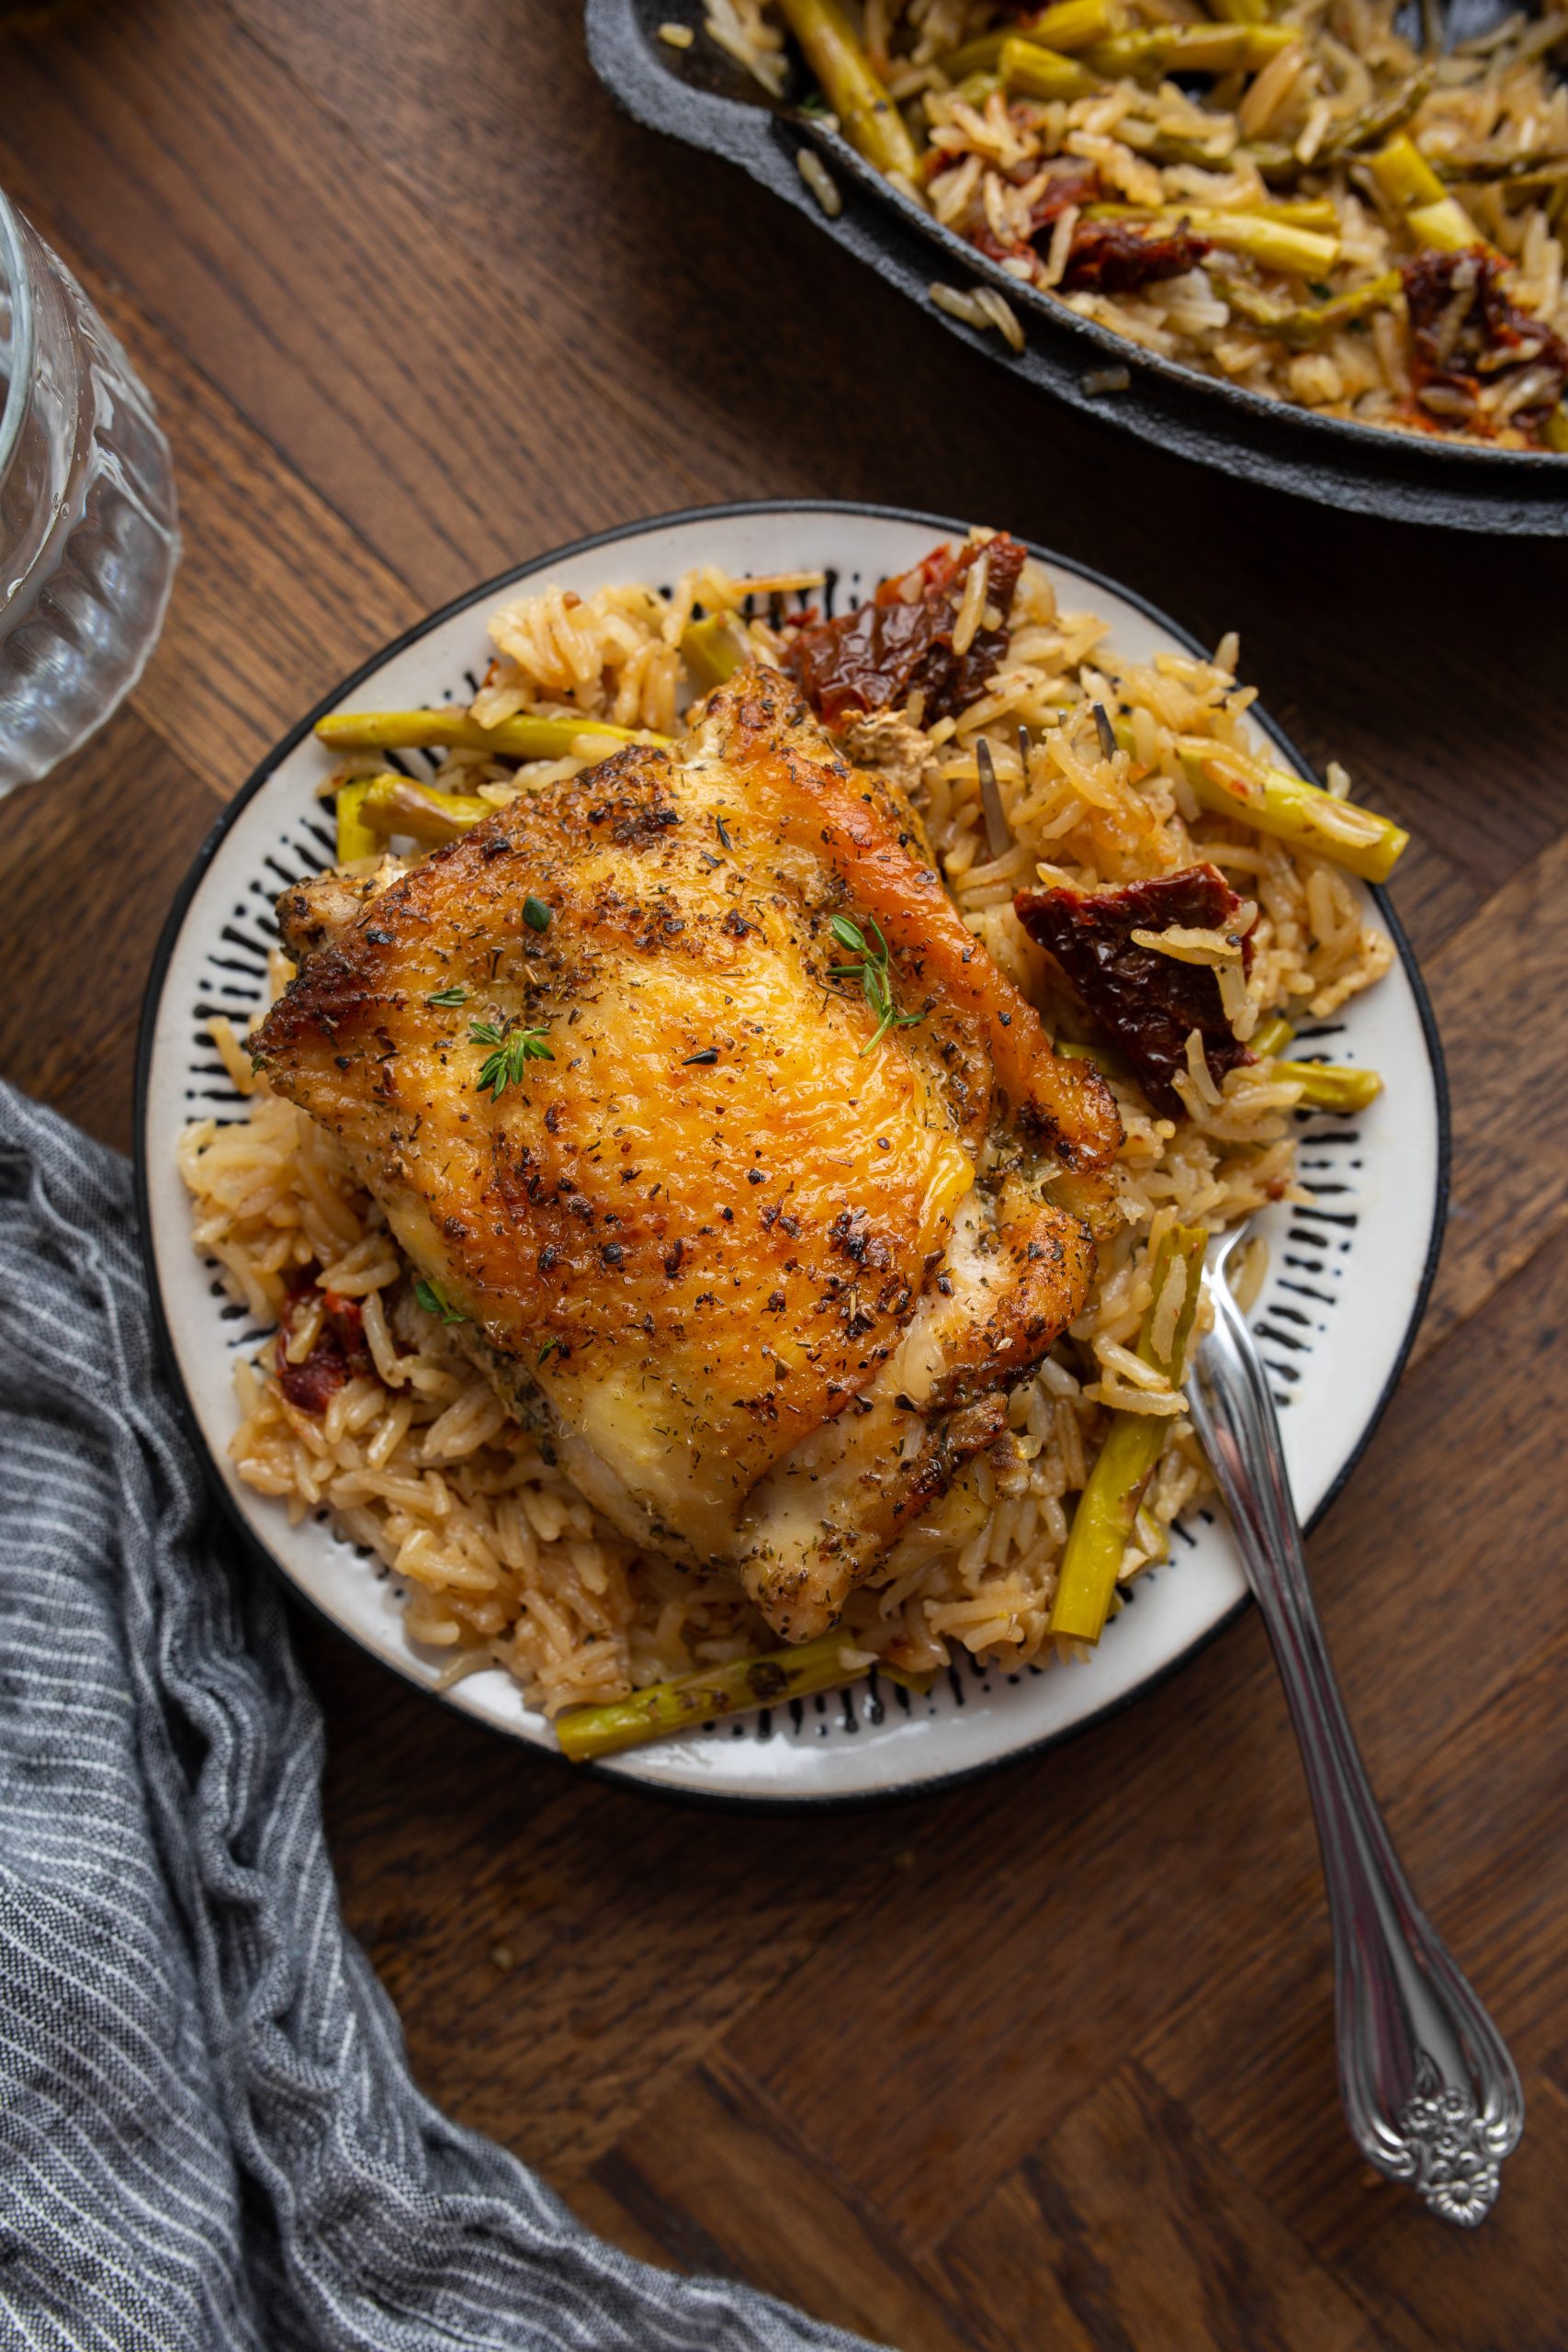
(1048, 2062)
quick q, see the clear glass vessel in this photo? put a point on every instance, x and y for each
(88, 541)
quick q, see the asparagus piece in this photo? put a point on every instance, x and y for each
(849, 84)
(1070, 24)
(1324, 1085)
(1304, 325)
(1278, 244)
(1191, 48)
(1328, 1087)
(1445, 227)
(420, 730)
(1272, 800)
(1404, 176)
(396, 804)
(1037, 73)
(1554, 432)
(712, 650)
(1378, 120)
(1240, 12)
(1410, 188)
(355, 838)
(1073, 24)
(665, 1707)
(1271, 1036)
(1544, 169)
(1102, 1523)
(1299, 212)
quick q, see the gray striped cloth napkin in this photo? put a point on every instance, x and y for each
(208, 2137)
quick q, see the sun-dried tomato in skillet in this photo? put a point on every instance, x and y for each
(1146, 1004)
(876, 655)
(338, 1351)
(1464, 331)
(1117, 257)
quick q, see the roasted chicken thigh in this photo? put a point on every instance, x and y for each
(754, 1226)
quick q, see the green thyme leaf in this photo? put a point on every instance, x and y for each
(456, 994)
(549, 1349)
(535, 914)
(434, 1301)
(873, 971)
(514, 1049)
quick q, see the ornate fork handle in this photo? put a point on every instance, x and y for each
(1430, 2092)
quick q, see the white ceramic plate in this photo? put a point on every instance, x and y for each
(1348, 1277)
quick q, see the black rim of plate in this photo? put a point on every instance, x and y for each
(1340, 461)
(903, 1791)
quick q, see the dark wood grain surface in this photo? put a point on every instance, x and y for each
(1046, 2062)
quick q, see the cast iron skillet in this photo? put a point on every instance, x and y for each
(696, 94)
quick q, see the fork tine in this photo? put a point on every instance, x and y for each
(998, 833)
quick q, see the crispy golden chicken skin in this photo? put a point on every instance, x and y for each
(762, 1275)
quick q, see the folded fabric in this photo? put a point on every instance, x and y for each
(209, 2136)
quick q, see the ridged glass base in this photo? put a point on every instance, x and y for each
(88, 540)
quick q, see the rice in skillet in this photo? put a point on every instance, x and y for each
(1295, 200)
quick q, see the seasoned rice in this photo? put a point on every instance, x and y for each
(1218, 156)
(501, 1559)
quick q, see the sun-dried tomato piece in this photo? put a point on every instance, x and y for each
(338, 1351)
(1146, 1004)
(1117, 257)
(1464, 331)
(876, 655)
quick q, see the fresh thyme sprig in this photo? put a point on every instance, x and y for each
(514, 1049)
(873, 969)
(434, 1301)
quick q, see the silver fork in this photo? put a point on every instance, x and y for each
(1430, 2092)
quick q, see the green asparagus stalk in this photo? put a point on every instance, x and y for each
(1240, 12)
(1191, 48)
(665, 1707)
(713, 649)
(1298, 211)
(420, 730)
(1273, 801)
(1304, 325)
(1326, 1086)
(1277, 160)
(1071, 25)
(1410, 188)
(1102, 1523)
(838, 57)
(1037, 73)
(1259, 232)
(396, 804)
(355, 838)
(1277, 244)
(1271, 1037)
